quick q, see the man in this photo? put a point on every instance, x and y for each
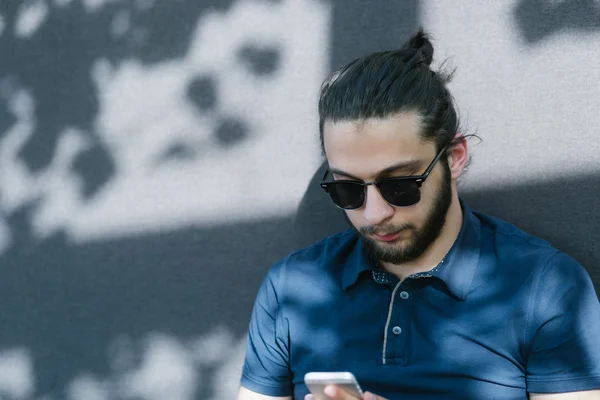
(424, 297)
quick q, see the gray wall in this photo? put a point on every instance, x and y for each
(156, 157)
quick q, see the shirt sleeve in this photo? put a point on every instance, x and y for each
(266, 366)
(565, 330)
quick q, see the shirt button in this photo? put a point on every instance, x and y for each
(404, 295)
(397, 330)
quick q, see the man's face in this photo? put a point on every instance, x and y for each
(362, 150)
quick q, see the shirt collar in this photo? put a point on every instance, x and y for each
(459, 265)
(456, 269)
(358, 261)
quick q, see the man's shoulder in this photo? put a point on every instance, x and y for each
(329, 249)
(511, 252)
(509, 230)
(307, 269)
(321, 255)
(509, 242)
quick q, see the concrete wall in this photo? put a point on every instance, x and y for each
(156, 157)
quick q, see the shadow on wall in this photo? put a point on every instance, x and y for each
(53, 48)
(89, 310)
(80, 321)
(360, 27)
(540, 19)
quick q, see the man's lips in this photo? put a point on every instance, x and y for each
(388, 237)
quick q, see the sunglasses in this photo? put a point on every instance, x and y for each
(401, 191)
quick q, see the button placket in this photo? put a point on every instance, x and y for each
(399, 327)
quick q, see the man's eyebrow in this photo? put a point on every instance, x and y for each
(407, 165)
(411, 164)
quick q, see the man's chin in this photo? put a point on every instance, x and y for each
(393, 252)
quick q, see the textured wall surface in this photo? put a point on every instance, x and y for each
(157, 156)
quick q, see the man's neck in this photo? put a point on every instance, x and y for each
(438, 249)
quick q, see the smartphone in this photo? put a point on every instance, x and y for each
(316, 382)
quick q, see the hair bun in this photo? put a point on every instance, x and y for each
(420, 42)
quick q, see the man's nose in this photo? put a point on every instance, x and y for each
(377, 210)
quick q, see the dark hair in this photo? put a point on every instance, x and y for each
(387, 83)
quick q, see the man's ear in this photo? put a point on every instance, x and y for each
(458, 156)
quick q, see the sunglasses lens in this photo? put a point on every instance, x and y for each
(400, 192)
(347, 195)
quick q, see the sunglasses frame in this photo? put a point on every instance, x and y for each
(418, 179)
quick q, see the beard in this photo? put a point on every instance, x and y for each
(420, 239)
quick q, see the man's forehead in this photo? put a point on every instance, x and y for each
(368, 148)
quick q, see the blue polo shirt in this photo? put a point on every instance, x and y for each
(503, 314)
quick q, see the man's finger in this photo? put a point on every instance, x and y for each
(371, 396)
(336, 393)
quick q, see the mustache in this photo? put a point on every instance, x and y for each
(384, 230)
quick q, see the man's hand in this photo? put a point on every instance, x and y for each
(335, 393)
